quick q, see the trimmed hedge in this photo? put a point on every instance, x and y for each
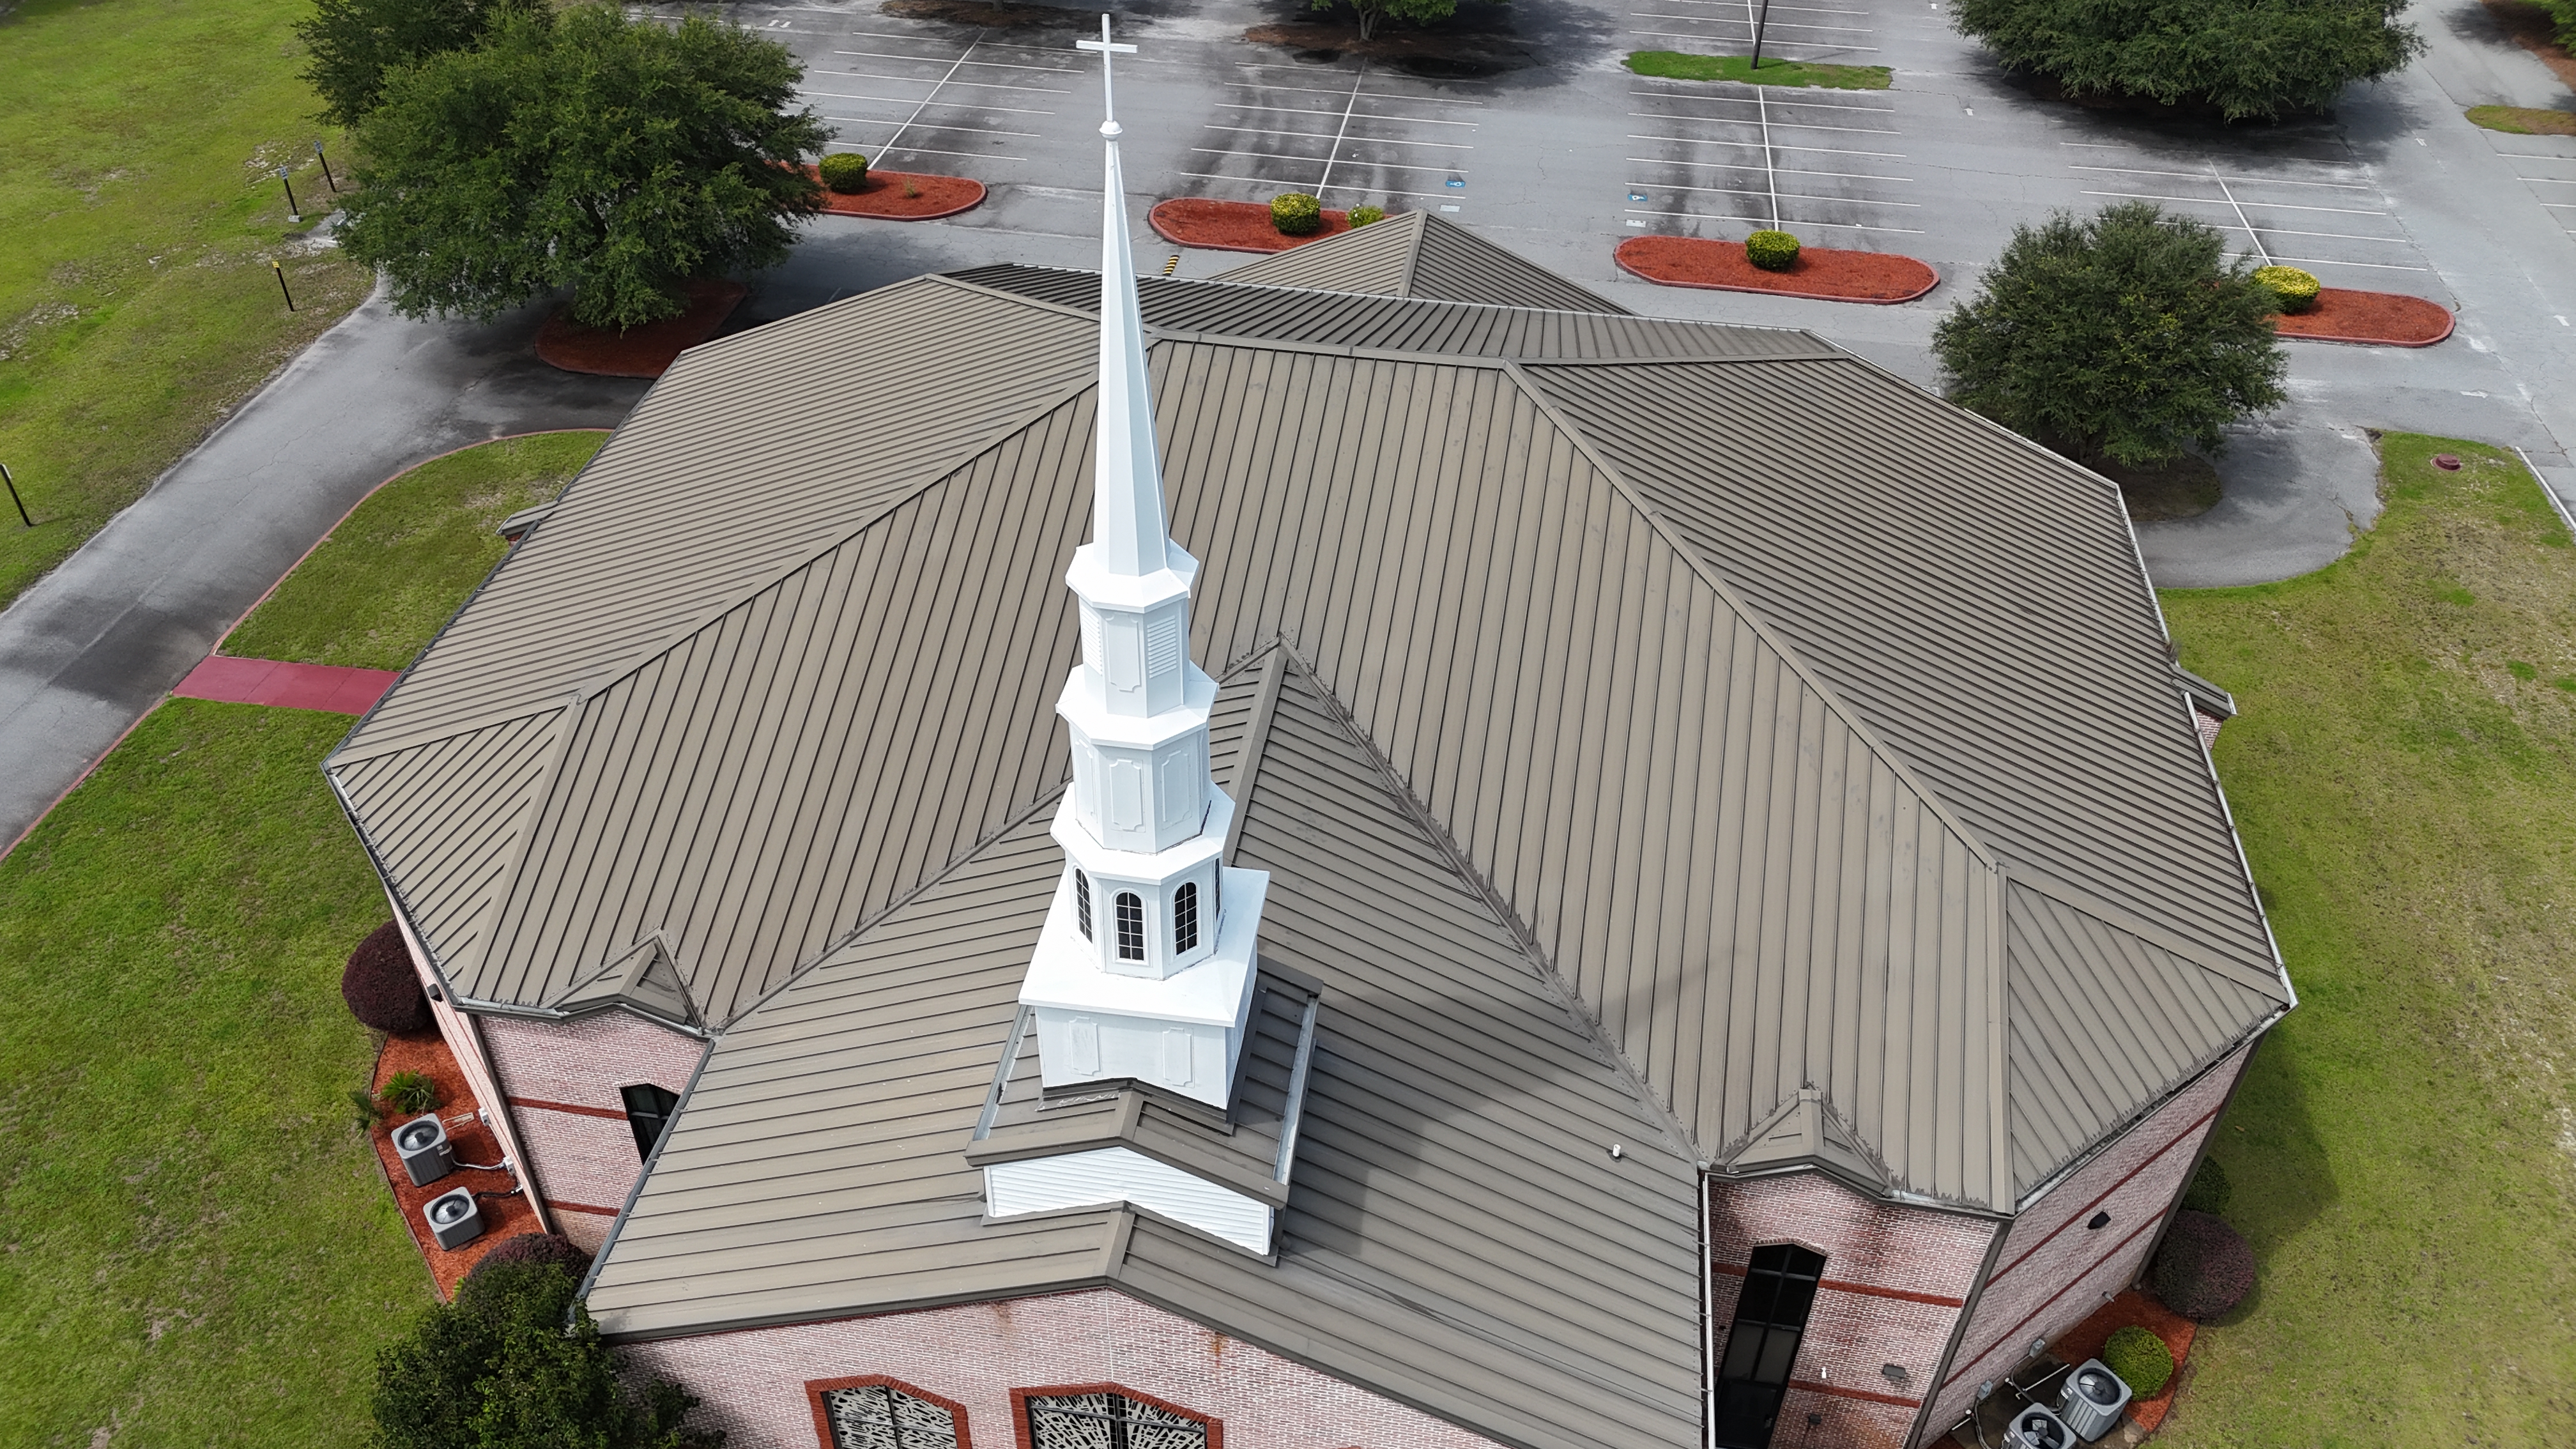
(382, 989)
(2140, 1359)
(1296, 214)
(844, 172)
(2204, 1268)
(2296, 289)
(1772, 251)
(552, 1248)
(1363, 215)
(2242, 58)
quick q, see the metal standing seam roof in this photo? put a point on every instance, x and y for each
(1417, 255)
(1807, 735)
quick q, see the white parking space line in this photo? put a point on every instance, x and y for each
(2288, 208)
(1376, 136)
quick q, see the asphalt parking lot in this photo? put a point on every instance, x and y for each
(1341, 130)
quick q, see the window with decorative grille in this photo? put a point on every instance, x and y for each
(1109, 1421)
(1185, 917)
(1082, 903)
(881, 1416)
(1131, 927)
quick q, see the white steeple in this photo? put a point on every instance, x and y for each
(1144, 969)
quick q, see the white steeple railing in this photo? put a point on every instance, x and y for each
(1144, 969)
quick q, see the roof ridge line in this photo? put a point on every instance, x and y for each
(2112, 917)
(1459, 861)
(1150, 282)
(1744, 610)
(959, 861)
(1413, 261)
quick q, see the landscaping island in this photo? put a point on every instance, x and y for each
(1232, 226)
(646, 351)
(1819, 273)
(1679, 65)
(2377, 319)
(904, 196)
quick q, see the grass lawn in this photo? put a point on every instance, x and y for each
(139, 212)
(1675, 65)
(2404, 1151)
(2524, 120)
(390, 575)
(199, 1247)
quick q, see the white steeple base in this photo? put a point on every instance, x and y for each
(1182, 1034)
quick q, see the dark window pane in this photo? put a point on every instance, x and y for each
(1185, 917)
(1131, 927)
(1760, 1289)
(1743, 1350)
(1797, 1295)
(648, 1111)
(1744, 1415)
(1779, 1350)
(1771, 1258)
(1082, 903)
(1800, 1260)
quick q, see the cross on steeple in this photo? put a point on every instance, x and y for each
(1127, 504)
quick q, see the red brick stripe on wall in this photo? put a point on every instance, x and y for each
(816, 1388)
(1839, 1392)
(1837, 1285)
(579, 1207)
(1020, 1409)
(2013, 1334)
(2087, 1209)
(541, 1105)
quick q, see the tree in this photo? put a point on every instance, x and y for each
(355, 44)
(515, 1361)
(2245, 57)
(1375, 13)
(620, 158)
(2130, 337)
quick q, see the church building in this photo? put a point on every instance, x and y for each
(1373, 853)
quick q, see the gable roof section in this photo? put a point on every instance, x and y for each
(1416, 254)
(1457, 1235)
(1393, 324)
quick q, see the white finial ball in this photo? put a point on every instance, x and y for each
(1110, 130)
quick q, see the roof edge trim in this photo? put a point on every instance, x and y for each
(1117, 1239)
(2085, 903)
(2103, 1141)
(1415, 301)
(1707, 573)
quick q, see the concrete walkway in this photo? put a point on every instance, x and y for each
(92, 646)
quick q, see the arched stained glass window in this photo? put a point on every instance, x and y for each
(883, 1416)
(1131, 927)
(1185, 917)
(1110, 1421)
(1082, 903)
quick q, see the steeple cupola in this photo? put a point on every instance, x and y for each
(1144, 969)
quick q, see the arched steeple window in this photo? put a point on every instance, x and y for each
(1082, 903)
(1185, 917)
(1131, 927)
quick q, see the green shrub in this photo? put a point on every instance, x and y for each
(1363, 215)
(844, 172)
(2131, 336)
(411, 1093)
(1296, 214)
(2245, 58)
(2140, 1359)
(370, 1111)
(2296, 289)
(381, 985)
(514, 1361)
(2209, 1191)
(1772, 251)
(2203, 1268)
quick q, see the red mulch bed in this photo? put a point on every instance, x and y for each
(646, 351)
(2380, 319)
(503, 1217)
(1820, 273)
(2085, 1341)
(883, 197)
(1232, 226)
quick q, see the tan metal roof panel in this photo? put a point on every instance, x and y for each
(1416, 254)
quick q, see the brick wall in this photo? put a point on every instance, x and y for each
(1895, 1280)
(754, 1381)
(562, 1081)
(2054, 1269)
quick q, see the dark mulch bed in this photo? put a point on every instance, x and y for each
(503, 1216)
(2085, 1341)
(905, 196)
(1821, 273)
(646, 351)
(2380, 319)
(1232, 226)
(2534, 29)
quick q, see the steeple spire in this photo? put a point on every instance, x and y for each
(1143, 971)
(1127, 497)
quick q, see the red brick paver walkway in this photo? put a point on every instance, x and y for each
(333, 687)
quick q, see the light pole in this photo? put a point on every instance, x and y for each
(279, 268)
(326, 168)
(1760, 20)
(22, 503)
(294, 213)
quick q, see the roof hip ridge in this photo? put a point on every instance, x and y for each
(1761, 627)
(1494, 902)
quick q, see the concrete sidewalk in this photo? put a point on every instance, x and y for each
(94, 644)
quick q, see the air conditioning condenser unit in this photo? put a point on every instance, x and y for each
(453, 1217)
(427, 1154)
